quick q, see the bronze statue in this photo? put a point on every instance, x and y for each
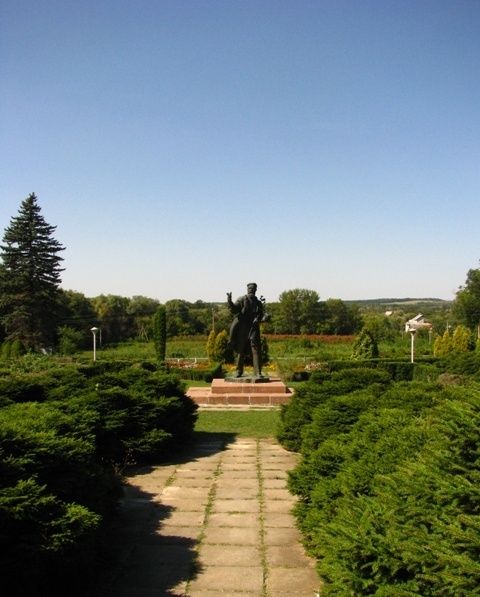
(245, 328)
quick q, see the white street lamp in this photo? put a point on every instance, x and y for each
(412, 345)
(94, 331)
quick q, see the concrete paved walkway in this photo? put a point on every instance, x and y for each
(217, 524)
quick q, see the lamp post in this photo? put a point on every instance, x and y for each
(412, 345)
(94, 331)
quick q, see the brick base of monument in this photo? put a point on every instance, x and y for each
(241, 393)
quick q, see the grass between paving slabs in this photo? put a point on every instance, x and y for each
(261, 498)
(250, 423)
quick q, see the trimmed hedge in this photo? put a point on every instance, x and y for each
(59, 463)
(214, 371)
(398, 370)
(389, 489)
(298, 412)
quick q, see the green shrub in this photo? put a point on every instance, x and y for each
(5, 351)
(58, 458)
(150, 446)
(51, 383)
(360, 377)
(200, 373)
(22, 388)
(365, 346)
(211, 345)
(398, 370)
(466, 363)
(55, 444)
(222, 352)
(415, 532)
(336, 416)
(70, 340)
(54, 492)
(298, 412)
(428, 372)
(96, 368)
(389, 490)
(41, 538)
(133, 403)
(17, 349)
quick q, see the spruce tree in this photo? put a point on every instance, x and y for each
(365, 346)
(30, 278)
(211, 345)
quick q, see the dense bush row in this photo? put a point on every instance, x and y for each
(64, 436)
(388, 482)
(202, 372)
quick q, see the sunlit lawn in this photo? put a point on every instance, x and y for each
(249, 423)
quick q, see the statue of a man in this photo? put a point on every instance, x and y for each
(245, 328)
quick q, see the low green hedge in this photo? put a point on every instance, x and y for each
(59, 462)
(298, 412)
(202, 373)
(398, 370)
(389, 506)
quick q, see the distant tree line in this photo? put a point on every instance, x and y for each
(37, 314)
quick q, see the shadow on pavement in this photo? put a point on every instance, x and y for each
(138, 560)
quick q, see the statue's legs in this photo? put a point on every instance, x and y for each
(257, 360)
(245, 347)
(240, 361)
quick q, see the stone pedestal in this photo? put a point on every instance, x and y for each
(252, 392)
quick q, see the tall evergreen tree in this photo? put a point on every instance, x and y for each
(30, 277)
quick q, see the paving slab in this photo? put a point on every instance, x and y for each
(269, 483)
(236, 505)
(290, 555)
(277, 520)
(186, 492)
(228, 578)
(196, 474)
(180, 518)
(277, 494)
(182, 482)
(232, 536)
(176, 534)
(233, 492)
(185, 504)
(247, 473)
(281, 536)
(236, 466)
(238, 459)
(234, 519)
(238, 483)
(292, 581)
(235, 555)
(207, 593)
(278, 507)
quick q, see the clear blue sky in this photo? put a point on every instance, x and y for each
(185, 148)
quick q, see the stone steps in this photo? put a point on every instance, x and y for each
(224, 393)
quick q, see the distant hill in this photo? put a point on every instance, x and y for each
(416, 303)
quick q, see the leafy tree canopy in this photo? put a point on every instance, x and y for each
(298, 311)
(467, 302)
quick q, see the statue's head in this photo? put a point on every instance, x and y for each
(251, 287)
